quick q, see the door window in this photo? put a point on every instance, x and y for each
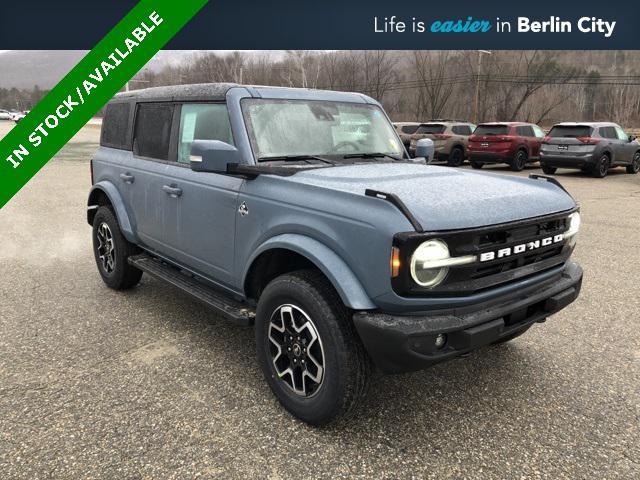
(537, 131)
(202, 122)
(608, 132)
(621, 135)
(461, 129)
(153, 130)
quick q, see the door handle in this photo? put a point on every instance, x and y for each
(172, 191)
(127, 177)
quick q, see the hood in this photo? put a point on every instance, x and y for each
(444, 198)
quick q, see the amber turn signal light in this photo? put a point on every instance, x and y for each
(395, 262)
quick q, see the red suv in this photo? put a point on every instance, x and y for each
(514, 143)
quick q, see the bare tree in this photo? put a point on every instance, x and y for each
(434, 88)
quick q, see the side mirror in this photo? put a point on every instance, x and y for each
(632, 138)
(213, 156)
(425, 149)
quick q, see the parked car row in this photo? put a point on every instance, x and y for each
(15, 116)
(593, 147)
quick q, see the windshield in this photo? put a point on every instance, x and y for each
(280, 128)
(577, 131)
(490, 130)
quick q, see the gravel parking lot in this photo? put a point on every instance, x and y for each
(150, 384)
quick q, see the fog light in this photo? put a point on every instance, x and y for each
(441, 339)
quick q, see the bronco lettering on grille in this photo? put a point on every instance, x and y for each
(521, 248)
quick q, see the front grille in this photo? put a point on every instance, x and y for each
(478, 276)
(502, 238)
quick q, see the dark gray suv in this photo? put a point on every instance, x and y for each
(299, 212)
(592, 147)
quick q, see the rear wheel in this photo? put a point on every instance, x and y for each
(549, 170)
(601, 168)
(456, 157)
(308, 349)
(476, 165)
(519, 161)
(635, 164)
(112, 251)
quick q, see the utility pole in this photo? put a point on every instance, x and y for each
(475, 102)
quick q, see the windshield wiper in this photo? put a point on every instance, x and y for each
(371, 155)
(295, 158)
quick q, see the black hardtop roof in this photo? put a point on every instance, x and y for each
(177, 93)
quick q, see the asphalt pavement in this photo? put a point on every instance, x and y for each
(150, 384)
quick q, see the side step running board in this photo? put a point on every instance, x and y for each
(233, 310)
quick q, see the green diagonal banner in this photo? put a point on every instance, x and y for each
(87, 88)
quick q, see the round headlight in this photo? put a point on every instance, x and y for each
(574, 224)
(423, 261)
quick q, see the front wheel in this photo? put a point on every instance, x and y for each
(549, 170)
(112, 252)
(635, 164)
(308, 349)
(476, 165)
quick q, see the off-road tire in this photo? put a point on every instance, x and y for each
(519, 160)
(123, 276)
(476, 165)
(601, 167)
(635, 164)
(347, 366)
(456, 157)
(549, 170)
(512, 336)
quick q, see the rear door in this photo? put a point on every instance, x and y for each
(616, 145)
(144, 176)
(462, 133)
(527, 136)
(538, 136)
(627, 149)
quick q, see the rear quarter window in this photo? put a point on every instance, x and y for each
(116, 130)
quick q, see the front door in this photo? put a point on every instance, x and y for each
(201, 207)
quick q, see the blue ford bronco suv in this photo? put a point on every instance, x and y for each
(299, 212)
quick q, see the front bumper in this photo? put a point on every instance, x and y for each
(402, 343)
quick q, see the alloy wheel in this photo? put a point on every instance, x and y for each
(296, 350)
(604, 166)
(106, 248)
